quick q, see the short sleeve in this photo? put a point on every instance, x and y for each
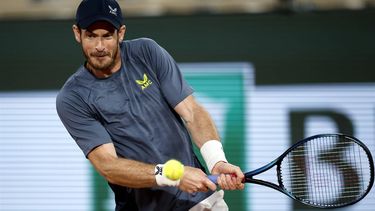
(81, 125)
(173, 85)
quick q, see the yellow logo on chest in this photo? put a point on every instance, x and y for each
(145, 82)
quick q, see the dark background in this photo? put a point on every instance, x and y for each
(284, 47)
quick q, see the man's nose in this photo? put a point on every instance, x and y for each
(100, 46)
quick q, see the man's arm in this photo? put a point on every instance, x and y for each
(121, 171)
(197, 121)
(134, 174)
(202, 129)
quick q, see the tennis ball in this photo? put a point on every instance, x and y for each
(173, 169)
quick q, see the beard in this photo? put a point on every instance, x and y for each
(101, 61)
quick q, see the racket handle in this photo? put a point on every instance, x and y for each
(213, 178)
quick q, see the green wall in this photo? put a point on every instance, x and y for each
(336, 46)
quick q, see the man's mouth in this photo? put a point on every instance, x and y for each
(99, 54)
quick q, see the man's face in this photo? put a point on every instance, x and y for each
(100, 45)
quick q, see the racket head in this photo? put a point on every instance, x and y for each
(326, 171)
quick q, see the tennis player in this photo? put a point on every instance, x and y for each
(130, 110)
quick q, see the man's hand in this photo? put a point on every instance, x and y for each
(227, 180)
(195, 180)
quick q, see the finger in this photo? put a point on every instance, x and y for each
(192, 191)
(210, 185)
(241, 186)
(223, 182)
(205, 189)
(231, 181)
(239, 175)
(239, 181)
(202, 188)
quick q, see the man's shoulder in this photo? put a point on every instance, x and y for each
(140, 45)
(74, 85)
(139, 42)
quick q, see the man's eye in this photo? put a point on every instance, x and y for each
(108, 36)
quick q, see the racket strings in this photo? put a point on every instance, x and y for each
(328, 171)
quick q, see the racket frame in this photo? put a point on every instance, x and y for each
(249, 176)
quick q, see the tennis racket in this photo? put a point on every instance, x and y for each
(324, 171)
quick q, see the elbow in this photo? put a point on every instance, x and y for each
(105, 161)
(108, 171)
(111, 180)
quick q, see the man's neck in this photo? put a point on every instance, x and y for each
(103, 73)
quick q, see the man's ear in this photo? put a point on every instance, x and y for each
(121, 33)
(77, 33)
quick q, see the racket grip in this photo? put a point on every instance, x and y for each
(213, 178)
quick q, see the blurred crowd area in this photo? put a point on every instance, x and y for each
(63, 9)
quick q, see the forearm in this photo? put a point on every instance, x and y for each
(130, 173)
(120, 171)
(201, 126)
(202, 130)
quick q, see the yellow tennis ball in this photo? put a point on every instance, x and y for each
(173, 169)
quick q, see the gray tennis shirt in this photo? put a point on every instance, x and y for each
(133, 109)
